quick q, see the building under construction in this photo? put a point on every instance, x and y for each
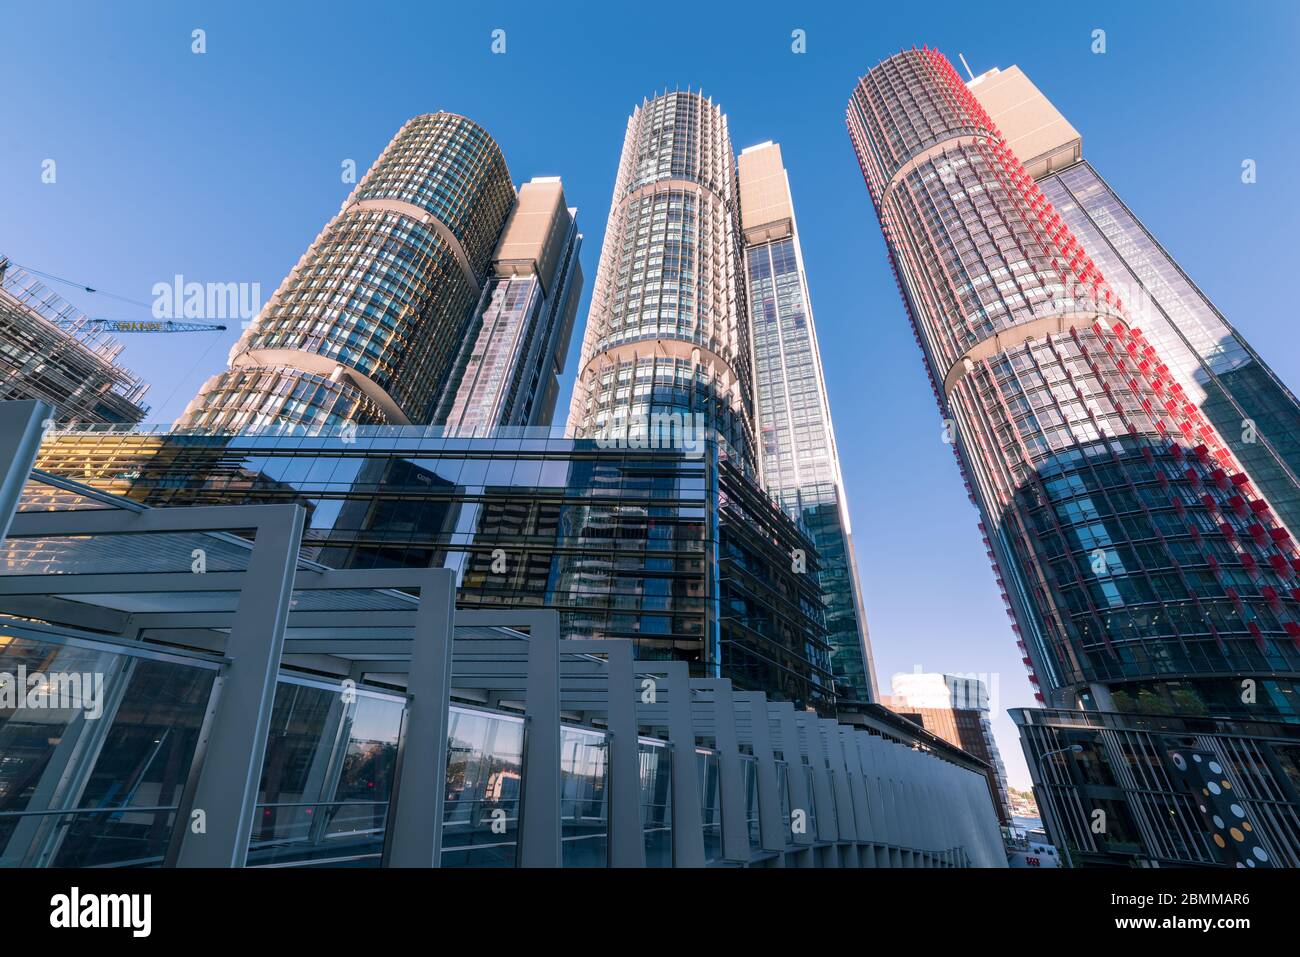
(50, 351)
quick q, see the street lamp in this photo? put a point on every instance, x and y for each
(1076, 748)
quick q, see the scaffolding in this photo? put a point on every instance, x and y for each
(50, 350)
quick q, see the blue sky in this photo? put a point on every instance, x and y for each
(222, 167)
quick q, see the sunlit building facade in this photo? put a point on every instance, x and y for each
(796, 440)
(1141, 560)
(667, 332)
(1248, 404)
(508, 370)
(367, 326)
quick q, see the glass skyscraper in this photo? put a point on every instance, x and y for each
(1217, 368)
(796, 440)
(367, 326)
(674, 549)
(667, 333)
(1133, 546)
(1144, 566)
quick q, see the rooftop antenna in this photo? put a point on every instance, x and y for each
(966, 65)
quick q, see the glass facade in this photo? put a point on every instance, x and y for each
(1131, 543)
(623, 543)
(1249, 406)
(799, 462)
(367, 325)
(491, 377)
(666, 334)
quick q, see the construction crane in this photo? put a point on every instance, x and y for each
(75, 322)
(154, 325)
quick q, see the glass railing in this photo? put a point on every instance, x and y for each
(783, 795)
(812, 802)
(584, 791)
(86, 837)
(656, 802)
(483, 790)
(749, 774)
(837, 812)
(93, 761)
(710, 771)
(329, 834)
(327, 776)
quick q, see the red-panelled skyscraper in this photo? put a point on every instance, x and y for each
(1143, 569)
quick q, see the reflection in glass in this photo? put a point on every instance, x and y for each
(812, 802)
(484, 778)
(710, 772)
(749, 769)
(134, 720)
(783, 794)
(326, 778)
(656, 803)
(584, 807)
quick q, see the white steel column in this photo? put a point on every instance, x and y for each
(539, 826)
(21, 428)
(688, 834)
(232, 766)
(414, 834)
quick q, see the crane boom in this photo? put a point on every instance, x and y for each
(154, 325)
(66, 321)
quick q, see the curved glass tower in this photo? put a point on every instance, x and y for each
(367, 325)
(1133, 549)
(667, 334)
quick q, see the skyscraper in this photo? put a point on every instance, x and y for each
(1138, 556)
(1219, 372)
(1131, 543)
(666, 364)
(667, 333)
(367, 326)
(800, 465)
(508, 370)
